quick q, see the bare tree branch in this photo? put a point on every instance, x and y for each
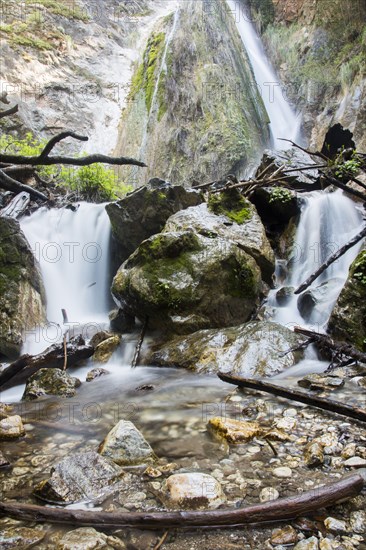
(9, 112)
(82, 161)
(8, 183)
(56, 139)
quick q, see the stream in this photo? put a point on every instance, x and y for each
(170, 406)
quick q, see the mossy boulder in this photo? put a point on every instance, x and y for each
(50, 382)
(252, 349)
(249, 233)
(144, 212)
(185, 281)
(348, 319)
(21, 290)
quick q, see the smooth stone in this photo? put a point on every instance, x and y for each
(84, 538)
(333, 524)
(355, 462)
(358, 522)
(192, 491)
(3, 461)
(96, 373)
(319, 382)
(284, 535)
(283, 472)
(126, 445)
(105, 349)
(308, 544)
(100, 337)
(11, 427)
(268, 493)
(234, 431)
(314, 454)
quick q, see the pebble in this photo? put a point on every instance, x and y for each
(285, 535)
(308, 544)
(325, 544)
(192, 491)
(268, 493)
(282, 471)
(355, 462)
(358, 522)
(333, 524)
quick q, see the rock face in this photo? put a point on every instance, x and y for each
(206, 117)
(11, 427)
(184, 282)
(126, 445)
(193, 491)
(81, 477)
(21, 290)
(144, 212)
(252, 349)
(50, 382)
(348, 319)
(249, 232)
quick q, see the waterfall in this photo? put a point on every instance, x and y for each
(284, 122)
(327, 222)
(72, 248)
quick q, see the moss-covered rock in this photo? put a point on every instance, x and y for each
(185, 282)
(230, 204)
(249, 234)
(144, 213)
(50, 382)
(276, 205)
(21, 290)
(348, 319)
(253, 349)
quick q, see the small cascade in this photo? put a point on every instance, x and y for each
(327, 222)
(72, 248)
(284, 122)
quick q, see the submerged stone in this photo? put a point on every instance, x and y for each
(21, 537)
(11, 427)
(82, 477)
(50, 382)
(193, 491)
(126, 445)
(320, 382)
(234, 431)
(96, 373)
(84, 538)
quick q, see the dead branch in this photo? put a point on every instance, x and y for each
(56, 139)
(312, 153)
(10, 184)
(296, 395)
(9, 112)
(344, 187)
(276, 510)
(356, 239)
(139, 344)
(81, 161)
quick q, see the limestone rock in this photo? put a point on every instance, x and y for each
(333, 524)
(50, 382)
(248, 231)
(100, 337)
(282, 472)
(355, 462)
(321, 382)
(268, 493)
(11, 427)
(84, 538)
(96, 373)
(21, 537)
(192, 491)
(185, 282)
(21, 291)
(80, 477)
(234, 431)
(252, 349)
(314, 454)
(348, 319)
(284, 535)
(358, 522)
(105, 349)
(144, 212)
(126, 445)
(307, 544)
(292, 158)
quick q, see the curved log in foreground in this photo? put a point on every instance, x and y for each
(295, 395)
(272, 511)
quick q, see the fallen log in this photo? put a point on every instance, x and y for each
(10, 184)
(16, 206)
(282, 509)
(53, 357)
(345, 188)
(334, 257)
(296, 395)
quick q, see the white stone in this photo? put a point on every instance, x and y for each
(308, 544)
(126, 445)
(282, 471)
(358, 522)
(192, 491)
(333, 524)
(268, 493)
(355, 462)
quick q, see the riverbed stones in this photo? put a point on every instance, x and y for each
(81, 477)
(84, 538)
(355, 462)
(335, 525)
(11, 427)
(144, 212)
(249, 233)
(252, 349)
(314, 454)
(284, 535)
(192, 491)
(4, 462)
(50, 382)
(105, 349)
(320, 382)
(185, 282)
(282, 472)
(358, 522)
(311, 543)
(233, 431)
(21, 537)
(268, 493)
(21, 290)
(126, 445)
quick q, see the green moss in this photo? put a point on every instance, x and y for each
(230, 204)
(163, 106)
(358, 269)
(279, 194)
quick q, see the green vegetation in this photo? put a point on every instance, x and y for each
(359, 268)
(92, 183)
(230, 204)
(347, 168)
(279, 194)
(146, 73)
(263, 12)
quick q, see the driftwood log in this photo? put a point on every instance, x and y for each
(272, 511)
(334, 257)
(53, 357)
(296, 395)
(16, 206)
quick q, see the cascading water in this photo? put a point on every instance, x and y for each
(72, 248)
(284, 123)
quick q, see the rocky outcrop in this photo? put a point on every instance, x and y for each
(348, 319)
(50, 382)
(21, 290)
(185, 281)
(81, 477)
(144, 212)
(251, 350)
(195, 111)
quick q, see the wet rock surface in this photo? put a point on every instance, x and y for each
(11, 427)
(192, 491)
(50, 382)
(126, 445)
(249, 349)
(104, 350)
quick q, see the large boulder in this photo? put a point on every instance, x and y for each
(253, 349)
(185, 282)
(21, 291)
(144, 213)
(248, 231)
(348, 319)
(81, 477)
(50, 382)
